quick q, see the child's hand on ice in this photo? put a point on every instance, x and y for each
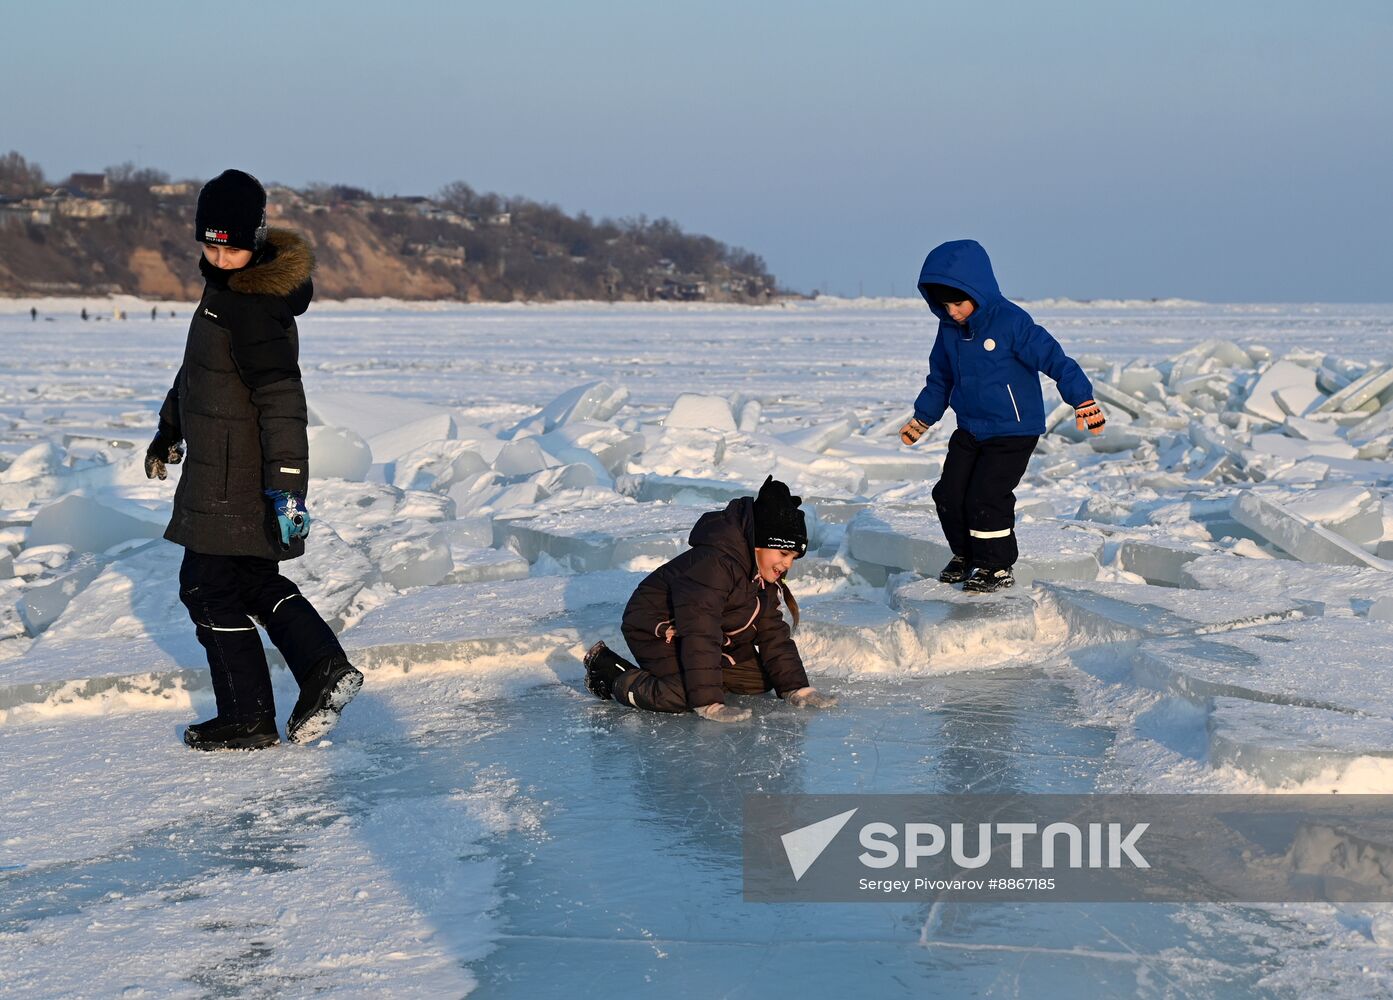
(717, 712)
(1089, 414)
(811, 698)
(913, 431)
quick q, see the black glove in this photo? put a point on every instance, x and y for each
(162, 451)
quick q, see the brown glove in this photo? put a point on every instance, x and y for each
(1089, 414)
(810, 698)
(913, 431)
(162, 452)
(717, 712)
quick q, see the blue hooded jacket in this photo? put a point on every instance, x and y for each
(988, 368)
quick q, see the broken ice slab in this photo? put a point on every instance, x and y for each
(480, 565)
(1361, 392)
(1057, 416)
(680, 451)
(750, 415)
(750, 457)
(841, 636)
(331, 574)
(698, 412)
(912, 539)
(392, 445)
(958, 631)
(1109, 508)
(593, 401)
(1142, 381)
(413, 555)
(682, 490)
(1375, 427)
(1120, 399)
(1292, 533)
(469, 532)
(368, 414)
(819, 437)
(90, 525)
(1309, 471)
(586, 441)
(1351, 512)
(1311, 430)
(1281, 744)
(1296, 450)
(1122, 612)
(40, 460)
(1329, 663)
(1297, 383)
(1159, 561)
(42, 605)
(576, 476)
(1345, 590)
(338, 453)
(889, 463)
(601, 538)
(436, 465)
(522, 457)
(466, 622)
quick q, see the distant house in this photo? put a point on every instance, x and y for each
(499, 219)
(434, 212)
(182, 189)
(87, 183)
(437, 253)
(92, 208)
(683, 289)
(39, 211)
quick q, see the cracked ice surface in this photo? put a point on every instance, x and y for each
(508, 473)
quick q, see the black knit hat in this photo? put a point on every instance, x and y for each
(947, 293)
(779, 523)
(232, 211)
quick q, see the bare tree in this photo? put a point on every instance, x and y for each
(19, 177)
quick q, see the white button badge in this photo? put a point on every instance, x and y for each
(989, 344)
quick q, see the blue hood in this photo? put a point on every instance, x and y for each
(962, 264)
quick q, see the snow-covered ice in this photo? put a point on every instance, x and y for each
(1204, 604)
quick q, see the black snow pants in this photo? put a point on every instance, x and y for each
(657, 685)
(227, 596)
(976, 499)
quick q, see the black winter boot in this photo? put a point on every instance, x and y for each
(602, 668)
(331, 685)
(954, 572)
(215, 734)
(988, 581)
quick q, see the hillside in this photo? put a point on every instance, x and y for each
(130, 231)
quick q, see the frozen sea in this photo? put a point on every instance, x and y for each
(1206, 606)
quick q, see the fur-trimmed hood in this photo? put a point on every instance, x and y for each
(289, 266)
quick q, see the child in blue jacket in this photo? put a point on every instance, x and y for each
(985, 364)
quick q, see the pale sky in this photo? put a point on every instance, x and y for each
(1230, 151)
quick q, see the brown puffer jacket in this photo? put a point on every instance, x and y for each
(239, 404)
(712, 605)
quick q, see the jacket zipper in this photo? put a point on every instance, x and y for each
(1013, 403)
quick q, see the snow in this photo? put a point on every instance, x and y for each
(1203, 605)
(694, 410)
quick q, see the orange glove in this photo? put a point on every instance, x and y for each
(913, 431)
(1089, 414)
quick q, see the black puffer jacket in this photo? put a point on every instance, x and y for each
(239, 404)
(712, 605)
